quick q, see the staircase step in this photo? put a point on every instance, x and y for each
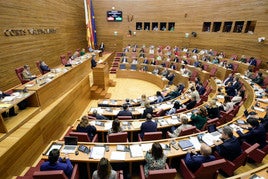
(94, 88)
(98, 91)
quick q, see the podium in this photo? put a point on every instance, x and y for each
(101, 76)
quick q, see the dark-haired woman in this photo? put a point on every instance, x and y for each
(104, 170)
(155, 158)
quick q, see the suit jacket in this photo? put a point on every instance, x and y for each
(90, 130)
(229, 149)
(201, 90)
(237, 85)
(230, 91)
(255, 135)
(146, 111)
(67, 167)
(93, 63)
(124, 113)
(190, 104)
(253, 62)
(193, 162)
(148, 126)
(44, 68)
(227, 80)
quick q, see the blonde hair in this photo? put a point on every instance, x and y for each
(84, 121)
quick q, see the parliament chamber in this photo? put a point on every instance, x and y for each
(208, 39)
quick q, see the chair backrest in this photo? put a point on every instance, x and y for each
(117, 137)
(122, 66)
(209, 169)
(19, 71)
(199, 102)
(258, 63)
(235, 67)
(39, 68)
(81, 136)
(133, 67)
(63, 59)
(181, 110)
(234, 57)
(194, 74)
(161, 112)
(265, 81)
(160, 174)
(52, 174)
(152, 136)
(213, 72)
(189, 131)
(205, 67)
(124, 117)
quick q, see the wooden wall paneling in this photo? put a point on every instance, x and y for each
(67, 17)
(23, 147)
(188, 17)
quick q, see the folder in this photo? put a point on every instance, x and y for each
(185, 144)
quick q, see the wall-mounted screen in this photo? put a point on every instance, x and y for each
(114, 16)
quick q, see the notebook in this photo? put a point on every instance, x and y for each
(185, 144)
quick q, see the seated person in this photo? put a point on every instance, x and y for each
(259, 79)
(230, 90)
(11, 110)
(229, 148)
(124, 59)
(127, 102)
(215, 60)
(84, 126)
(239, 97)
(200, 88)
(184, 125)
(230, 78)
(256, 133)
(177, 92)
(170, 78)
(160, 97)
(199, 118)
(93, 61)
(237, 84)
(252, 61)
(115, 127)
(165, 72)
(227, 104)
(145, 61)
(153, 62)
(191, 104)
(125, 111)
(74, 56)
(98, 116)
(172, 66)
(249, 73)
(155, 71)
(195, 50)
(174, 109)
(148, 110)
(44, 67)
(194, 92)
(243, 59)
(155, 159)
(82, 52)
(193, 160)
(134, 61)
(213, 109)
(56, 163)
(148, 125)
(143, 100)
(104, 170)
(26, 73)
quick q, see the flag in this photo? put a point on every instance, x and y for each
(90, 24)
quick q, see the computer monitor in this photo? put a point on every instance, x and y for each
(212, 128)
(70, 140)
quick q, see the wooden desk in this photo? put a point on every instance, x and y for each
(145, 76)
(57, 82)
(32, 101)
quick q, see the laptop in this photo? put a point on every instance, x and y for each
(70, 144)
(212, 129)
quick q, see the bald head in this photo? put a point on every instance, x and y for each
(205, 150)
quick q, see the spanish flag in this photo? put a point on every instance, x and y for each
(90, 24)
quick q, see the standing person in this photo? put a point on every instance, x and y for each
(104, 170)
(102, 47)
(155, 159)
(56, 163)
(84, 126)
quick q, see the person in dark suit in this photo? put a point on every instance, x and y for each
(213, 110)
(125, 111)
(228, 79)
(229, 148)
(146, 61)
(11, 110)
(124, 59)
(230, 90)
(259, 79)
(200, 88)
(99, 116)
(44, 67)
(56, 163)
(236, 83)
(191, 104)
(148, 110)
(93, 61)
(256, 133)
(177, 92)
(84, 126)
(148, 125)
(170, 78)
(252, 61)
(193, 160)
(102, 47)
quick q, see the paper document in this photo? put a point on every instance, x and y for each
(108, 125)
(8, 98)
(69, 149)
(5, 105)
(195, 142)
(97, 152)
(146, 147)
(209, 138)
(258, 109)
(118, 155)
(136, 125)
(136, 151)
